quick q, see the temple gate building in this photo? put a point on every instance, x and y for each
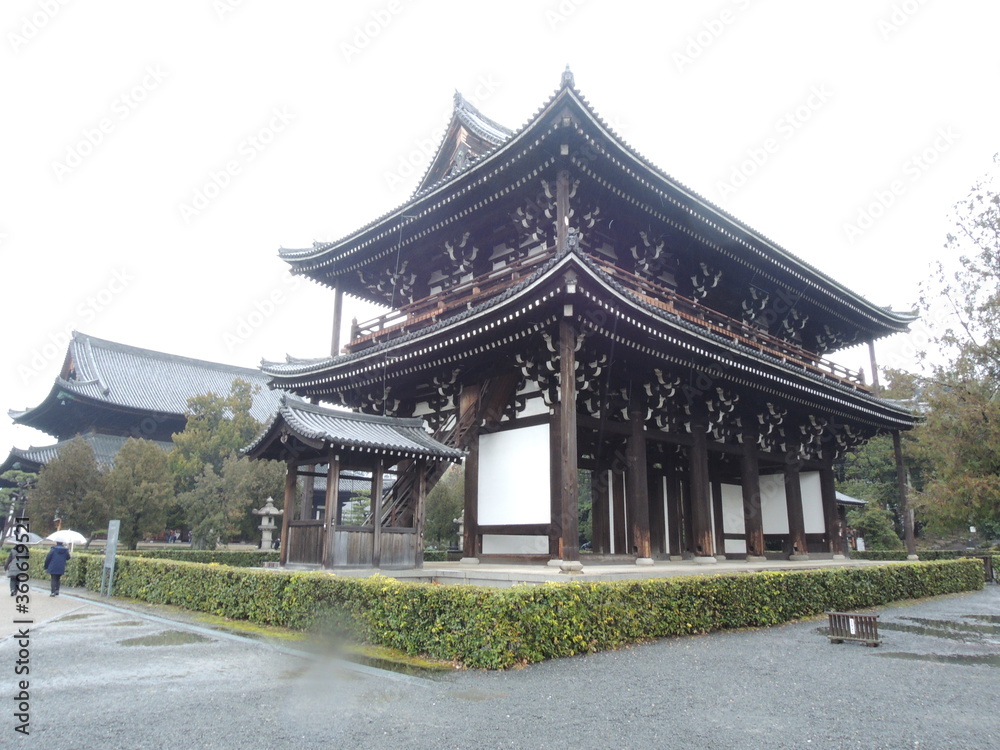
(558, 305)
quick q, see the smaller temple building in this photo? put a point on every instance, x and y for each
(396, 458)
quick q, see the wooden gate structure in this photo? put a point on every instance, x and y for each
(558, 305)
(328, 445)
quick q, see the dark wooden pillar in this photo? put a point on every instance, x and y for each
(675, 533)
(876, 386)
(330, 512)
(468, 400)
(568, 480)
(599, 494)
(793, 502)
(377, 514)
(306, 501)
(657, 522)
(637, 486)
(831, 516)
(418, 514)
(718, 519)
(753, 519)
(291, 482)
(338, 311)
(701, 494)
(904, 503)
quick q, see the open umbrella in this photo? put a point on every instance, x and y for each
(33, 538)
(67, 536)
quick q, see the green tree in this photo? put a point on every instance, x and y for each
(217, 426)
(443, 505)
(139, 488)
(874, 524)
(219, 506)
(70, 487)
(961, 436)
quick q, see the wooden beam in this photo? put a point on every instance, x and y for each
(675, 533)
(338, 312)
(330, 512)
(657, 523)
(291, 482)
(718, 520)
(421, 490)
(377, 514)
(793, 502)
(600, 520)
(637, 484)
(753, 519)
(701, 492)
(831, 517)
(569, 489)
(618, 511)
(468, 401)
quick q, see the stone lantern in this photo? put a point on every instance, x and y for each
(267, 522)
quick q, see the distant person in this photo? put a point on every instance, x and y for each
(11, 567)
(55, 566)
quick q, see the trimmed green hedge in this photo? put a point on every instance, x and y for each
(233, 558)
(494, 628)
(923, 554)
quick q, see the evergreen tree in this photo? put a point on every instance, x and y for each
(70, 487)
(139, 488)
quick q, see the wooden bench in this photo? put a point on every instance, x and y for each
(847, 626)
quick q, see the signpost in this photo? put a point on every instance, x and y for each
(108, 573)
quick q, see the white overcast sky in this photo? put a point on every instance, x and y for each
(802, 118)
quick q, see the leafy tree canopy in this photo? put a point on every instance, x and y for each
(139, 487)
(70, 486)
(217, 426)
(961, 435)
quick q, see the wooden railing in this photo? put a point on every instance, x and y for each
(442, 304)
(668, 300)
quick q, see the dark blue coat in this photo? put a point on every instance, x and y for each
(55, 561)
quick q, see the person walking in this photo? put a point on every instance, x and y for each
(55, 565)
(13, 570)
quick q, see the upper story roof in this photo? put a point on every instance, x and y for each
(105, 449)
(106, 386)
(567, 132)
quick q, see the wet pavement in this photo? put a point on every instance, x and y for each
(134, 676)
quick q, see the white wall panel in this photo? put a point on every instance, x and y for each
(514, 477)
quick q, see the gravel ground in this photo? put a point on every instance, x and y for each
(113, 678)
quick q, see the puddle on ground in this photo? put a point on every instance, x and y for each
(80, 616)
(127, 623)
(166, 638)
(983, 618)
(968, 660)
(949, 629)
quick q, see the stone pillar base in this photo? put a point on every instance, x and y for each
(644, 561)
(677, 558)
(840, 557)
(706, 560)
(720, 558)
(469, 561)
(912, 558)
(798, 558)
(571, 567)
(554, 563)
(756, 558)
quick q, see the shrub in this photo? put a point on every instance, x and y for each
(497, 628)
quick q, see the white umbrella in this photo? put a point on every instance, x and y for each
(67, 536)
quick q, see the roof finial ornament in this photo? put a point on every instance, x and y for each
(459, 99)
(567, 78)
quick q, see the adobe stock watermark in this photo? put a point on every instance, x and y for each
(87, 311)
(912, 170)
(370, 29)
(561, 13)
(698, 42)
(418, 158)
(258, 312)
(899, 15)
(785, 127)
(32, 24)
(247, 151)
(119, 110)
